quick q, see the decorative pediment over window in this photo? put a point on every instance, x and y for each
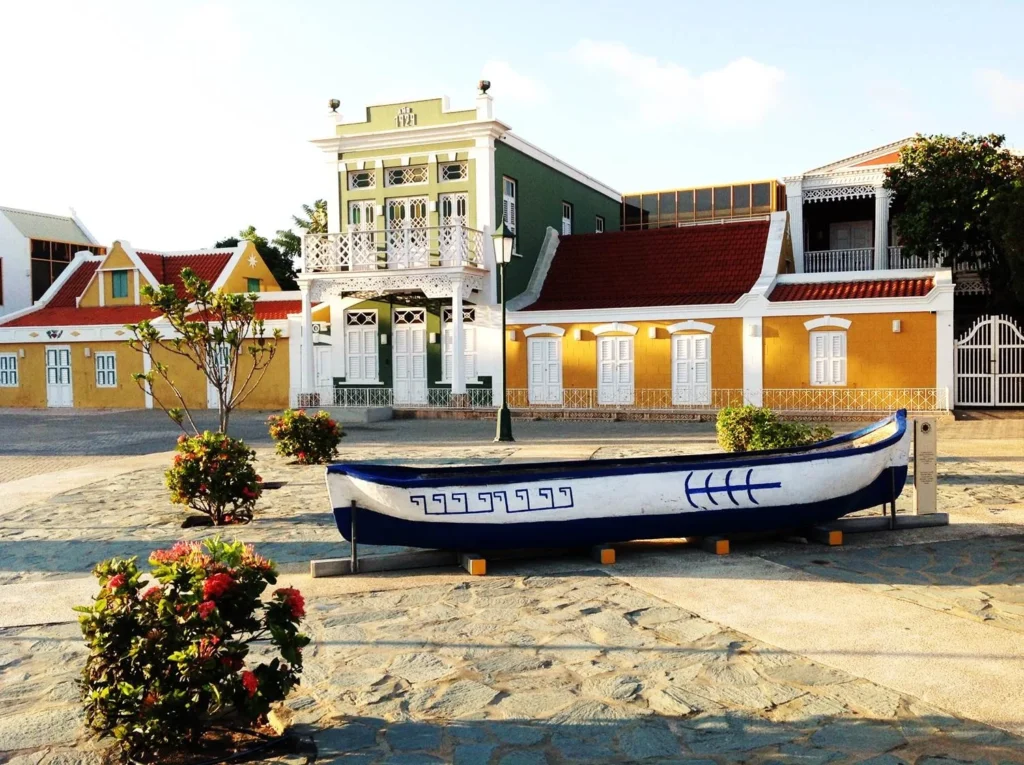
(690, 326)
(607, 329)
(827, 321)
(544, 329)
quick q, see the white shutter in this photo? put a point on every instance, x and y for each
(606, 369)
(508, 208)
(353, 355)
(545, 363)
(819, 358)
(837, 358)
(448, 343)
(554, 369)
(624, 371)
(701, 369)
(469, 351)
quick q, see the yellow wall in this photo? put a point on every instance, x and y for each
(272, 392)
(238, 278)
(31, 390)
(189, 381)
(127, 394)
(652, 357)
(876, 357)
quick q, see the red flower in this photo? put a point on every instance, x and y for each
(294, 600)
(115, 581)
(182, 438)
(203, 488)
(301, 456)
(206, 608)
(250, 683)
(216, 586)
(233, 663)
(207, 646)
(152, 593)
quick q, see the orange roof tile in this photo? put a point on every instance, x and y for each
(880, 288)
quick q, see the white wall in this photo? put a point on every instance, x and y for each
(17, 283)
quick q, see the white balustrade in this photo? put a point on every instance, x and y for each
(826, 261)
(394, 248)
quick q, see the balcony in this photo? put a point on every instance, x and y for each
(825, 261)
(934, 260)
(392, 249)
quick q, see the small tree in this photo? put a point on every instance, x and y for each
(213, 331)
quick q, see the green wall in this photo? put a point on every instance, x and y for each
(540, 191)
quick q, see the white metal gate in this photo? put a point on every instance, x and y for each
(990, 363)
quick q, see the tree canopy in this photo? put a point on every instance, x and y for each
(962, 196)
(278, 261)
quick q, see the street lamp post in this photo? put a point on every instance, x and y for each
(504, 244)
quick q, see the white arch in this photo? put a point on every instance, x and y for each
(688, 326)
(544, 329)
(827, 321)
(605, 329)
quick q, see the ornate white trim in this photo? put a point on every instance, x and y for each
(433, 285)
(690, 326)
(544, 329)
(605, 329)
(827, 321)
(827, 193)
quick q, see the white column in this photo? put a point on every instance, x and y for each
(147, 366)
(308, 379)
(753, 361)
(945, 355)
(795, 207)
(881, 227)
(458, 341)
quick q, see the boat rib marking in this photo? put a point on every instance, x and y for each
(732, 499)
(686, 488)
(729, 488)
(707, 489)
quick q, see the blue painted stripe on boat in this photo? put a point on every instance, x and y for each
(407, 477)
(376, 528)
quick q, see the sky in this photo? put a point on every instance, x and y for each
(174, 124)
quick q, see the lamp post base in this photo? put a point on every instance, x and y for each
(504, 432)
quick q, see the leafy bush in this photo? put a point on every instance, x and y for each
(167, 660)
(753, 428)
(215, 475)
(311, 440)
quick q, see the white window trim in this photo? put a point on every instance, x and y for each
(113, 287)
(827, 321)
(829, 382)
(445, 379)
(690, 325)
(358, 382)
(598, 224)
(567, 219)
(96, 362)
(512, 224)
(544, 329)
(606, 329)
(16, 371)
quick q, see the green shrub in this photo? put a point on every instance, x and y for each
(753, 428)
(215, 475)
(311, 440)
(167, 659)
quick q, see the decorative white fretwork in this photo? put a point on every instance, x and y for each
(468, 315)
(389, 282)
(361, 318)
(829, 193)
(362, 179)
(405, 316)
(453, 171)
(405, 176)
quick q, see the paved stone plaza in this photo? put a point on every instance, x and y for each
(903, 648)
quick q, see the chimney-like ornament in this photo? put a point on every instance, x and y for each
(484, 86)
(334, 103)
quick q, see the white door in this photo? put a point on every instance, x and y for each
(410, 356)
(361, 225)
(221, 356)
(408, 243)
(58, 376)
(545, 359)
(361, 346)
(452, 241)
(615, 370)
(691, 370)
(322, 366)
(856, 235)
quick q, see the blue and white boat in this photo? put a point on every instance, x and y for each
(582, 503)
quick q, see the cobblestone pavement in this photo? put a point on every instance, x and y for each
(571, 667)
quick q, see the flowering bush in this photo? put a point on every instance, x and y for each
(311, 440)
(168, 659)
(214, 474)
(753, 428)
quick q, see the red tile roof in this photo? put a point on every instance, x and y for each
(277, 309)
(73, 288)
(83, 317)
(167, 268)
(689, 265)
(881, 288)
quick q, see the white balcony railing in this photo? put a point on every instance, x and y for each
(934, 260)
(787, 400)
(824, 261)
(394, 248)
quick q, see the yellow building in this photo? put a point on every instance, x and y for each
(708, 315)
(70, 349)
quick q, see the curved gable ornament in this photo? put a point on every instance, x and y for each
(690, 326)
(607, 329)
(544, 329)
(827, 321)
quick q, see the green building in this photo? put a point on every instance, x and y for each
(414, 192)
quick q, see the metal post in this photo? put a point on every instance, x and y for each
(354, 564)
(504, 416)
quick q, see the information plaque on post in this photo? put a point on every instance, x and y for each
(925, 478)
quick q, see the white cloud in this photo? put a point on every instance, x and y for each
(513, 87)
(663, 93)
(1006, 95)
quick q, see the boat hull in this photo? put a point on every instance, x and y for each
(376, 528)
(602, 501)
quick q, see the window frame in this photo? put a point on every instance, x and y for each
(510, 210)
(566, 219)
(829, 380)
(363, 328)
(114, 276)
(598, 224)
(468, 330)
(100, 375)
(10, 377)
(248, 284)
